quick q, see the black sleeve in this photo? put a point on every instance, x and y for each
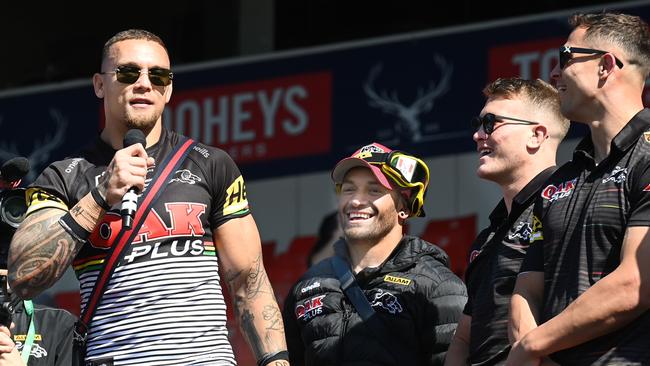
(445, 302)
(229, 190)
(64, 348)
(639, 195)
(534, 260)
(292, 333)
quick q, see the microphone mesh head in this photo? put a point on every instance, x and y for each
(134, 136)
(14, 169)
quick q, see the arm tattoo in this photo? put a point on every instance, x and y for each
(40, 253)
(253, 295)
(248, 326)
(273, 318)
(257, 282)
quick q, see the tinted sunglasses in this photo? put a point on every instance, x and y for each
(130, 74)
(488, 121)
(406, 171)
(566, 51)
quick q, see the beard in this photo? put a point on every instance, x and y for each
(383, 223)
(141, 122)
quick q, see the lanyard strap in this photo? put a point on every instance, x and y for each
(124, 237)
(360, 302)
(29, 340)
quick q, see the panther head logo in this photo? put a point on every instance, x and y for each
(388, 301)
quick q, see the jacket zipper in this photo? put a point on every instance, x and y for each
(344, 328)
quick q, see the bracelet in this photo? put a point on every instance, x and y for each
(99, 199)
(275, 356)
(70, 225)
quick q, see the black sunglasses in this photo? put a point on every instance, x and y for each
(488, 121)
(566, 51)
(130, 74)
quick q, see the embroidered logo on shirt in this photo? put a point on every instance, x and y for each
(388, 301)
(309, 308)
(473, 255)
(522, 232)
(397, 280)
(37, 351)
(185, 176)
(310, 287)
(553, 193)
(646, 136)
(618, 175)
(536, 231)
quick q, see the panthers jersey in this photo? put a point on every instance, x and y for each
(579, 225)
(163, 305)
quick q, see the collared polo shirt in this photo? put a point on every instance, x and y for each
(580, 220)
(495, 259)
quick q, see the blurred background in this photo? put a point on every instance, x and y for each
(288, 88)
(55, 41)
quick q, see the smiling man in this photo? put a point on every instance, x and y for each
(517, 136)
(384, 298)
(582, 297)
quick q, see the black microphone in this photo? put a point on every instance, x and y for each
(13, 169)
(130, 199)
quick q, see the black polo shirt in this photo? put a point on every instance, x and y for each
(495, 259)
(583, 215)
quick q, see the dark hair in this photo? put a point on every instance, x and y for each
(628, 32)
(130, 34)
(326, 232)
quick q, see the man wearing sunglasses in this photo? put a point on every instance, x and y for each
(517, 136)
(582, 295)
(384, 298)
(162, 301)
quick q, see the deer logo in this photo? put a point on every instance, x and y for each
(40, 155)
(408, 123)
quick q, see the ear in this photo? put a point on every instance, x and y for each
(540, 133)
(168, 92)
(98, 84)
(607, 65)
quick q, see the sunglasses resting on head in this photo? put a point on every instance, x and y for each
(130, 74)
(489, 120)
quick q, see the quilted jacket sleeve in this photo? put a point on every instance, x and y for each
(445, 299)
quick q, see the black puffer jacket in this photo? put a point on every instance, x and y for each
(417, 297)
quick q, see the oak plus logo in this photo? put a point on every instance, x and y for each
(310, 308)
(184, 217)
(563, 190)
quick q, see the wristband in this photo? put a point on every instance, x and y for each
(275, 356)
(99, 199)
(70, 225)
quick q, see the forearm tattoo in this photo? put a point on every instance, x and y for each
(253, 295)
(40, 253)
(41, 250)
(257, 282)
